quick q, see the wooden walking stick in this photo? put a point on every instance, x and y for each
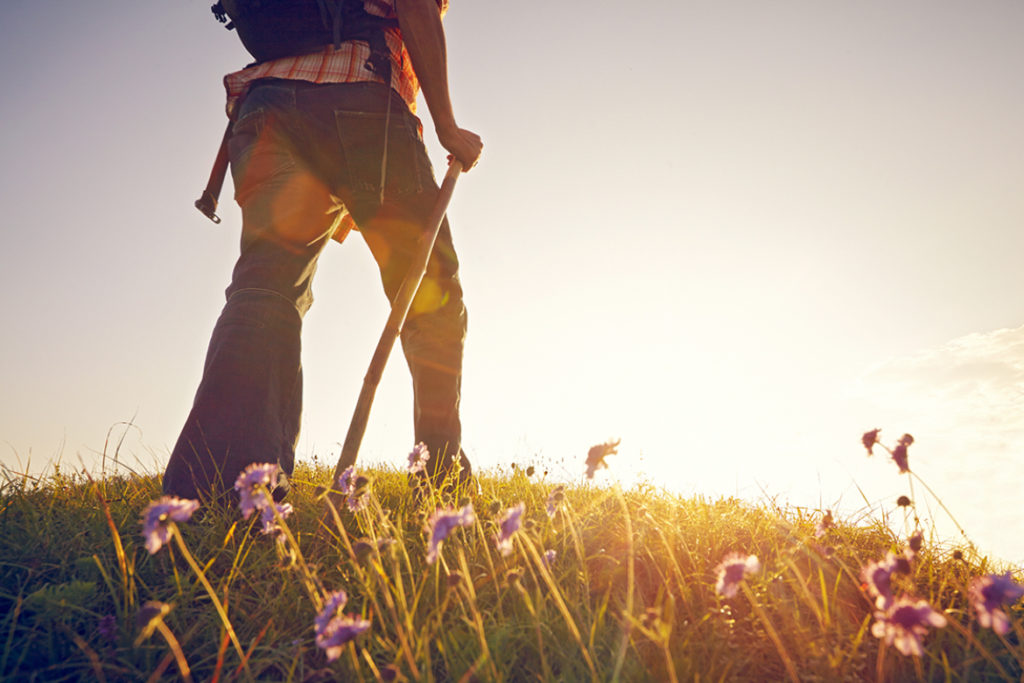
(399, 310)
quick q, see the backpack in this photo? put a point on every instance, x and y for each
(271, 29)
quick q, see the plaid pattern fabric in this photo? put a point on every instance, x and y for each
(347, 64)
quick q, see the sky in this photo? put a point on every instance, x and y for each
(733, 235)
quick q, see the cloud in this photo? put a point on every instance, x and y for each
(969, 389)
(964, 403)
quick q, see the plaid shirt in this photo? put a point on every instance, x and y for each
(347, 64)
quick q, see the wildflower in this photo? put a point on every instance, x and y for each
(899, 454)
(338, 632)
(549, 557)
(597, 454)
(733, 569)
(903, 501)
(988, 594)
(359, 496)
(870, 439)
(269, 519)
(347, 480)
(441, 524)
(877, 576)
(824, 525)
(251, 486)
(332, 605)
(107, 627)
(914, 544)
(905, 623)
(149, 617)
(418, 458)
(159, 514)
(554, 499)
(509, 524)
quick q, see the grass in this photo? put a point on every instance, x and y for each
(630, 594)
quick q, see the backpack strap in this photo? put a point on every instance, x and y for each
(207, 202)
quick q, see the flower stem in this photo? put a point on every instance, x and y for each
(213, 595)
(790, 668)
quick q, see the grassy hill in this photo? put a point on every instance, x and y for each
(614, 585)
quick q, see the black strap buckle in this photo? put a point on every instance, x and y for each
(207, 203)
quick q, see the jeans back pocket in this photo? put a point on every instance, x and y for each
(407, 170)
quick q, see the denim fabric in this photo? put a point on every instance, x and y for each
(297, 150)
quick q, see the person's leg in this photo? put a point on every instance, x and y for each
(435, 330)
(248, 405)
(433, 334)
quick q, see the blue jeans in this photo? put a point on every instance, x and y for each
(299, 151)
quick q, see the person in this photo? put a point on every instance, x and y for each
(310, 160)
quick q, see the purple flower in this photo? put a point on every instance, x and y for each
(355, 488)
(509, 524)
(899, 454)
(914, 544)
(905, 622)
(107, 627)
(870, 439)
(270, 523)
(357, 502)
(418, 458)
(877, 577)
(338, 632)
(441, 524)
(159, 514)
(149, 617)
(347, 480)
(733, 569)
(334, 630)
(554, 499)
(597, 454)
(359, 494)
(334, 603)
(549, 557)
(251, 486)
(988, 594)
